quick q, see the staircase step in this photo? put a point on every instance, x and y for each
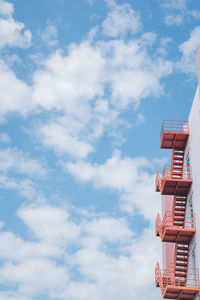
(182, 252)
(181, 270)
(177, 169)
(181, 247)
(182, 258)
(177, 158)
(179, 214)
(177, 150)
(178, 164)
(181, 275)
(179, 208)
(182, 263)
(177, 222)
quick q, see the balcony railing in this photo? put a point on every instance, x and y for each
(166, 278)
(158, 184)
(168, 224)
(168, 221)
(157, 225)
(174, 182)
(173, 126)
(174, 134)
(169, 173)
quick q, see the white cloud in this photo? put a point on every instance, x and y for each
(12, 33)
(177, 12)
(128, 276)
(188, 49)
(24, 187)
(133, 74)
(49, 35)
(174, 19)
(195, 14)
(66, 78)
(30, 266)
(4, 138)
(73, 86)
(174, 4)
(128, 176)
(109, 229)
(61, 140)
(120, 20)
(10, 295)
(50, 224)
(24, 250)
(6, 8)
(16, 161)
(34, 276)
(16, 99)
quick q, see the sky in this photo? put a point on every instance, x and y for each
(85, 86)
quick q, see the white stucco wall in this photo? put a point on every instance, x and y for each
(193, 150)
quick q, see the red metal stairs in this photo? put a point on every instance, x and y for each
(177, 163)
(179, 210)
(181, 263)
(177, 281)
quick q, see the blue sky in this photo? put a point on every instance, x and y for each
(84, 88)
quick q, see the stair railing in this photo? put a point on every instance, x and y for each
(157, 225)
(158, 183)
(168, 221)
(185, 173)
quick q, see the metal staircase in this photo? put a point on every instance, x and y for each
(177, 281)
(181, 263)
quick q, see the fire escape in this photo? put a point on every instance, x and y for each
(177, 281)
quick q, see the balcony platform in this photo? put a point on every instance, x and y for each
(169, 232)
(178, 235)
(174, 134)
(171, 183)
(180, 292)
(175, 186)
(176, 288)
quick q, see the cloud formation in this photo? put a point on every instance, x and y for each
(12, 33)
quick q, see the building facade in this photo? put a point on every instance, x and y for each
(179, 225)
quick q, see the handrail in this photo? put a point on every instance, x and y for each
(167, 277)
(174, 126)
(189, 221)
(157, 224)
(158, 277)
(168, 222)
(184, 173)
(158, 182)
